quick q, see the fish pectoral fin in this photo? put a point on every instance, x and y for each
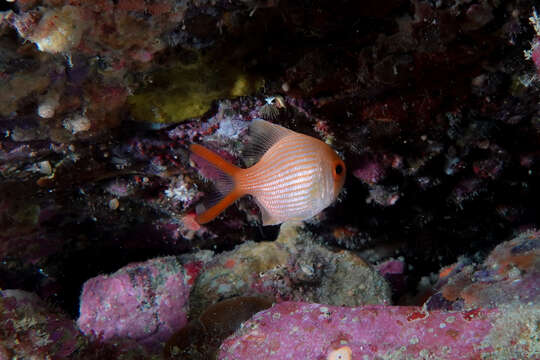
(262, 136)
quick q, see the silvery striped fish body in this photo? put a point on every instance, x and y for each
(294, 178)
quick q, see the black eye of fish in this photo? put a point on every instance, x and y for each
(339, 169)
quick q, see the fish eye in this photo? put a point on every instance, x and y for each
(338, 170)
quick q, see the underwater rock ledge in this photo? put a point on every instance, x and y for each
(312, 331)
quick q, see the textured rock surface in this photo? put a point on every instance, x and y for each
(312, 331)
(30, 329)
(509, 275)
(432, 105)
(146, 302)
(201, 338)
(104, 41)
(291, 268)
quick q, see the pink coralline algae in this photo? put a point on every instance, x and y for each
(373, 168)
(393, 271)
(295, 330)
(534, 53)
(29, 329)
(370, 173)
(142, 301)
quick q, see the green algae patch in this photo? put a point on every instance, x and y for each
(185, 91)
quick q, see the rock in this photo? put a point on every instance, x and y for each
(509, 275)
(292, 267)
(146, 302)
(30, 329)
(313, 331)
(201, 338)
(393, 271)
(433, 106)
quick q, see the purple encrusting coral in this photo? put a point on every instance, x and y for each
(311, 331)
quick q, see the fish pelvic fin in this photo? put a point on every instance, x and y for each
(223, 174)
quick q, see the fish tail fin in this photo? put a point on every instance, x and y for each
(223, 174)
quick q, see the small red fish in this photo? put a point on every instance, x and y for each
(295, 178)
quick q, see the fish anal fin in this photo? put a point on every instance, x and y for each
(209, 214)
(262, 136)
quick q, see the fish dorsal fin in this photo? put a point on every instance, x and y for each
(262, 136)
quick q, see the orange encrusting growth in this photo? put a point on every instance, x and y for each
(446, 271)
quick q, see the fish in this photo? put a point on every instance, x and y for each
(293, 177)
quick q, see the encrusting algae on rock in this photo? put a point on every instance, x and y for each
(293, 267)
(188, 88)
(299, 330)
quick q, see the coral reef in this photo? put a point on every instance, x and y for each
(489, 310)
(93, 55)
(148, 302)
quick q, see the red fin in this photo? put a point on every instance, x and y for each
(223, 174)
(210, 214)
